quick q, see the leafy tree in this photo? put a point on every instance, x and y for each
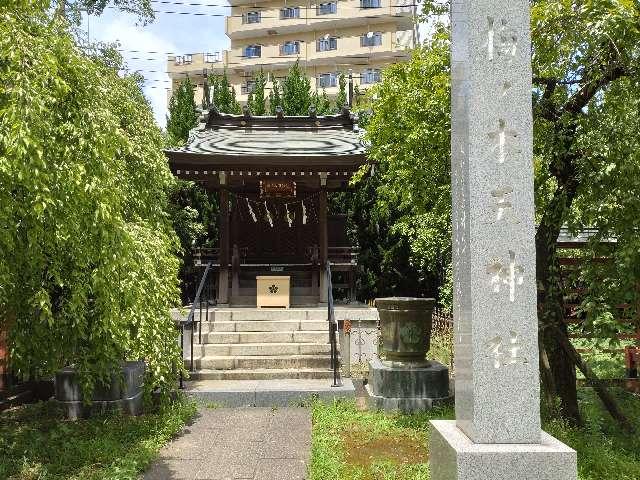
(256, 100)
(224, 95)
(409, 136)
(586, 96)
(182, 113)
(88, 270)
(275, 98)
(193, 214)
(71, 9)
(296, 91)
(341, 98)
(321, 102)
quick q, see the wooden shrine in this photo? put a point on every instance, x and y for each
(273, 174)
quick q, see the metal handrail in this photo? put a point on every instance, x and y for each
(333, 329)
(197, 302)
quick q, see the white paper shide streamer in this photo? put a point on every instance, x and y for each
(304, 214)
(251, 212)
(269, 217)
(289, 219)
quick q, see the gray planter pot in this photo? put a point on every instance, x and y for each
(123, 392)
(405, 325)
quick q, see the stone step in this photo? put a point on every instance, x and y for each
(230, 362)
(268, 392)
(259, 314)
(264, 326)
(293, 336)
(262, 374)
(293, 314)
(253, 349)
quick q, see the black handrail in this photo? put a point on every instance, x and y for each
(333, 329)
(197, 302)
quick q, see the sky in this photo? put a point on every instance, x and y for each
(145, 47)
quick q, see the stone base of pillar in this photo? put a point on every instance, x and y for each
(455, 457)
(407, 387)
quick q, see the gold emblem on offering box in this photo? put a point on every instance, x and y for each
(277, 189)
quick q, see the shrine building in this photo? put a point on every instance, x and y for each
(273, 175)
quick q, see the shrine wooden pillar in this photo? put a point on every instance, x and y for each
(323, 236)
(223, 235)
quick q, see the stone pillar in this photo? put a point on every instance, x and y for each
(223, 235)
(497, 433)
(323, 236)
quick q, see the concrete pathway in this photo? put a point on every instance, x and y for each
(245, 443)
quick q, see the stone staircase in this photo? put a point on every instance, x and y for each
(254, 344)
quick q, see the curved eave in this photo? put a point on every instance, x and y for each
(180, 160)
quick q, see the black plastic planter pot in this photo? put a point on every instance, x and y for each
(123, 392)
(406, 327)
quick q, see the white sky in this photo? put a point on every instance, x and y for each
(168, 34)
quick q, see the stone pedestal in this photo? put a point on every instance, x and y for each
(458, 458)
(408, 387)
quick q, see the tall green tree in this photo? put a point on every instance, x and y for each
(257, 101)
(275, 97)
(223, 94)
(585, 101)
(182, 115)
(321, 102)
(88, 271)
(296, 91)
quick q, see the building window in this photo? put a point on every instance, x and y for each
(251, 17)
(327, 43)
(212, 57)
(327, 80)
(327, 8)
(252, 51)
(370, 3)
(290, 48)
(371, 39)
(184, 59)
(290, 12)
(370, 75)
(248, 87)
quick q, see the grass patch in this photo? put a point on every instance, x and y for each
(349, 444)
(36, 442)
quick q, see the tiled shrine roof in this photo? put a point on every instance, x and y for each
(245, 138)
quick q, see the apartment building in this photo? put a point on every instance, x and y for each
(328, 37)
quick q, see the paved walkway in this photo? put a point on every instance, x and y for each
(246, 443)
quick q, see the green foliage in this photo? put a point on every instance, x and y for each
(182, 113)
(256, 101)
(351, 444)
(603, 450)
(296, 91)
(87, 258)
(321, 103)
(193, 213)
(341, 98)
(36, 442)
(223, 94)
(409, 136)
(72, 9)
(275, 98)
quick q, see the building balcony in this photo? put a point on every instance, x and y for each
(272, 19)
(194, 64)
(349, 49)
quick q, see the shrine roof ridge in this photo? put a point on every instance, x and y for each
(213, 119)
